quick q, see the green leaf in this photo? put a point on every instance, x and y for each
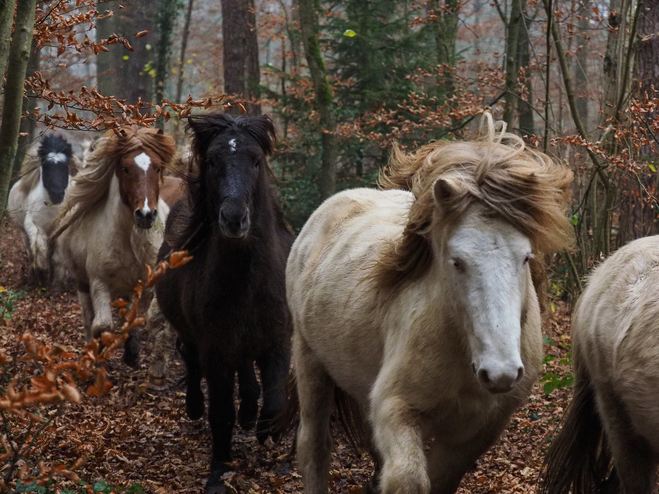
(548, 388)
(652, 167)
(548, 341)
(134, 487)
(575, 219)
(350, 33)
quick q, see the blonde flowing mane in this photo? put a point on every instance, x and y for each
(30, 172)
(92, 183)
(522, 186)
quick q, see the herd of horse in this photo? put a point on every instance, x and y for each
(411, 313)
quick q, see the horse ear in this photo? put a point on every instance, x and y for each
(262, 129)
(445, 191)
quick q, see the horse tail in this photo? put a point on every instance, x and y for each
(288, 418)
(579, 458)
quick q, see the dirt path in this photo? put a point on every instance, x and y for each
(135, 435)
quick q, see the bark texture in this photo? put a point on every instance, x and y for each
(241, 52)
(324, 102)
(19, 55)
(6, 21)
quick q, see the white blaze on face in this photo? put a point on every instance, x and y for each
(488, 267)
(57, 157)
(143, 161)
(146, 209)
(232, 144)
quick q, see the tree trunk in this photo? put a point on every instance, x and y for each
(581, 70)
(241, 52)
(27, 124)
(19, 56)
(122, 73)
(107, 76)
(6, 21)
(324, 100)
(524, 106)
(181, 64)
(167, 13)
(445, 31)
(512, 67)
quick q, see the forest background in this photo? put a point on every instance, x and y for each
(343, 80)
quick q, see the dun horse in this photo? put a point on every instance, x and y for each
(613, 419)
(112, 223)
(228, 305)
(35, 200)
(421, 305)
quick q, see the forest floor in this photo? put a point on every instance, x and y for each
(139, 437)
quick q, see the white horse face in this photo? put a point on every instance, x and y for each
(486, 262)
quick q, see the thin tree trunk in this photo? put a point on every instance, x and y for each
(167, 12)
(181, 64)
(324, 100)
(28, 125)
(107, 63)
(581, 70)
(19, 56)
(524, 106)
(6, 21)
(445, 31)
(512, 67)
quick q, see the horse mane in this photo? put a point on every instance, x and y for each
(522, 186)
(205, 128)
(90, 186)
(30, 168)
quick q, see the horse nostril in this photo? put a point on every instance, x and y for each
(154, 213)
(139, 214)
(520, 374)
(223, 218)
(484, 377)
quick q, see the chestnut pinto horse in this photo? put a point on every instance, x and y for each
(609, 441)
(35, 201)
(112, 223)
(228, 305)
(421, 305)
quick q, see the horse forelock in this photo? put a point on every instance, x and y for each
(523, 187)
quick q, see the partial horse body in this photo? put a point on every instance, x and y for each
(228, 305)
(112, 223)
(421, 305)
(35, 201)
(613, 419)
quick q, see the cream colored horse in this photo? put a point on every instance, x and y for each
(112, 223)
(421, 305)
(614, 415)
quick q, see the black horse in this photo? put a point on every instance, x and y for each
(228, 305)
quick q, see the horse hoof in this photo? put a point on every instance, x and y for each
(247, 416)
(194, 407)
(130, 358)
(216, 488)
(157, 383)
(215, 484)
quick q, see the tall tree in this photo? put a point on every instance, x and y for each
(28, 125)
(19, 55)
(524, 107)
(128, 74)
(6, 20)
(445, 29)
(581, 68)
(181, 64)
(324, 100)
(512, 61)
(241, 51)
(167, 13)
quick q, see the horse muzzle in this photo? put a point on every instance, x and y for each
(498, 378)
(145, 219)
(234, 222)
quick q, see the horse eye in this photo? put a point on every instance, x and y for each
(527, 258)
(257, 163)
(124, 169)
(458, 265)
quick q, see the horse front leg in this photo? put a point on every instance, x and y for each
(101, 299)
(161, 333)
(274, 372)
(86, 309)
(316, 394)
(194, 398)
(222, 417)
(249, 391)
(399, 441)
